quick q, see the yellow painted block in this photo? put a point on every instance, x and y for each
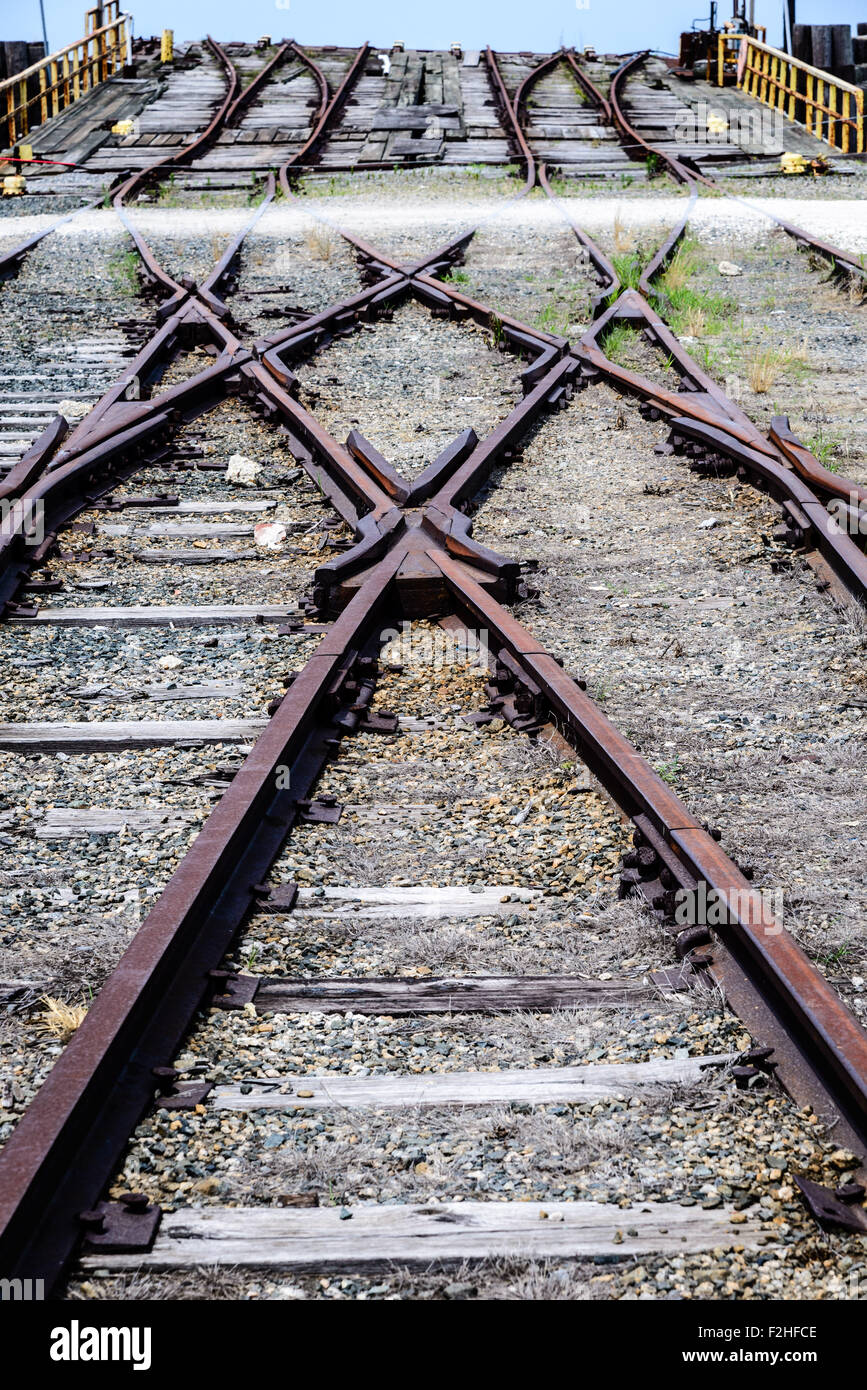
(123, 128)
(793, 164)
(167, 46)
(13, 185)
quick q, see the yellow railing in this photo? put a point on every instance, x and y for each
(728, 52)
(829, 108)
(101, 15)
(55, 82)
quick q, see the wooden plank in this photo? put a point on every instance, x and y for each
(440, 1233)
(206, 614)
(419, 900)
(192, 557)
(72, 822)
(535, 1086)
(429, 148)
(144, 733)
(166, 530)
(476, 994)
(199, 508)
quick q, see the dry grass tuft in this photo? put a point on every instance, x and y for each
(763, 369)
(60, 1020)
(624, 239)
(320, 243)
(695, 321)
(681, 266)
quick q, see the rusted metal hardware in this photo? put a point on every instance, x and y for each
(12, 260)
(170, 1095)
(835, 1209)
(24, 473)
(414, 553)
(825, 482)
(177, 158)
(223, 274)
(820, 1048)
(660, 260)
(127, 1226)
(233, 990)
(245, 98)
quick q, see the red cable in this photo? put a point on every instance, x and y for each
(15, 159)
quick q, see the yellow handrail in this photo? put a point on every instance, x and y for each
(49, 86)
(109, 12)
(829, 108)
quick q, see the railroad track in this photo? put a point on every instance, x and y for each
(405, 552)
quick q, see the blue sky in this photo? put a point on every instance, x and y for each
(540, 25)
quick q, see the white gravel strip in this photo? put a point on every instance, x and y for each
(839, 220)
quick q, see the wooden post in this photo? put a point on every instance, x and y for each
(24, 123)
(793, 82)
(55, 91)
(820, 115)
(43, 96)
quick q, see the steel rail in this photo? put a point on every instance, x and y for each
(524, 151)
(843, 261)
(96, 1088)
(634, 143)
(245, 97)
(609, 280)
(67, 1146)
(519, 103)
(207, 290)
(660, 260)
(11, 261)
(588, 86)
(189, 307)
(788, 450)
(180, 157)
(104, 1080)
(328, 108)
(825, 1041)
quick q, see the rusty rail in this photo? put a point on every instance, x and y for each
(414, 552)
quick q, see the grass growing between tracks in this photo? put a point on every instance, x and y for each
(123, 269)
(568, 306)
(696, 312)
(627, 347)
